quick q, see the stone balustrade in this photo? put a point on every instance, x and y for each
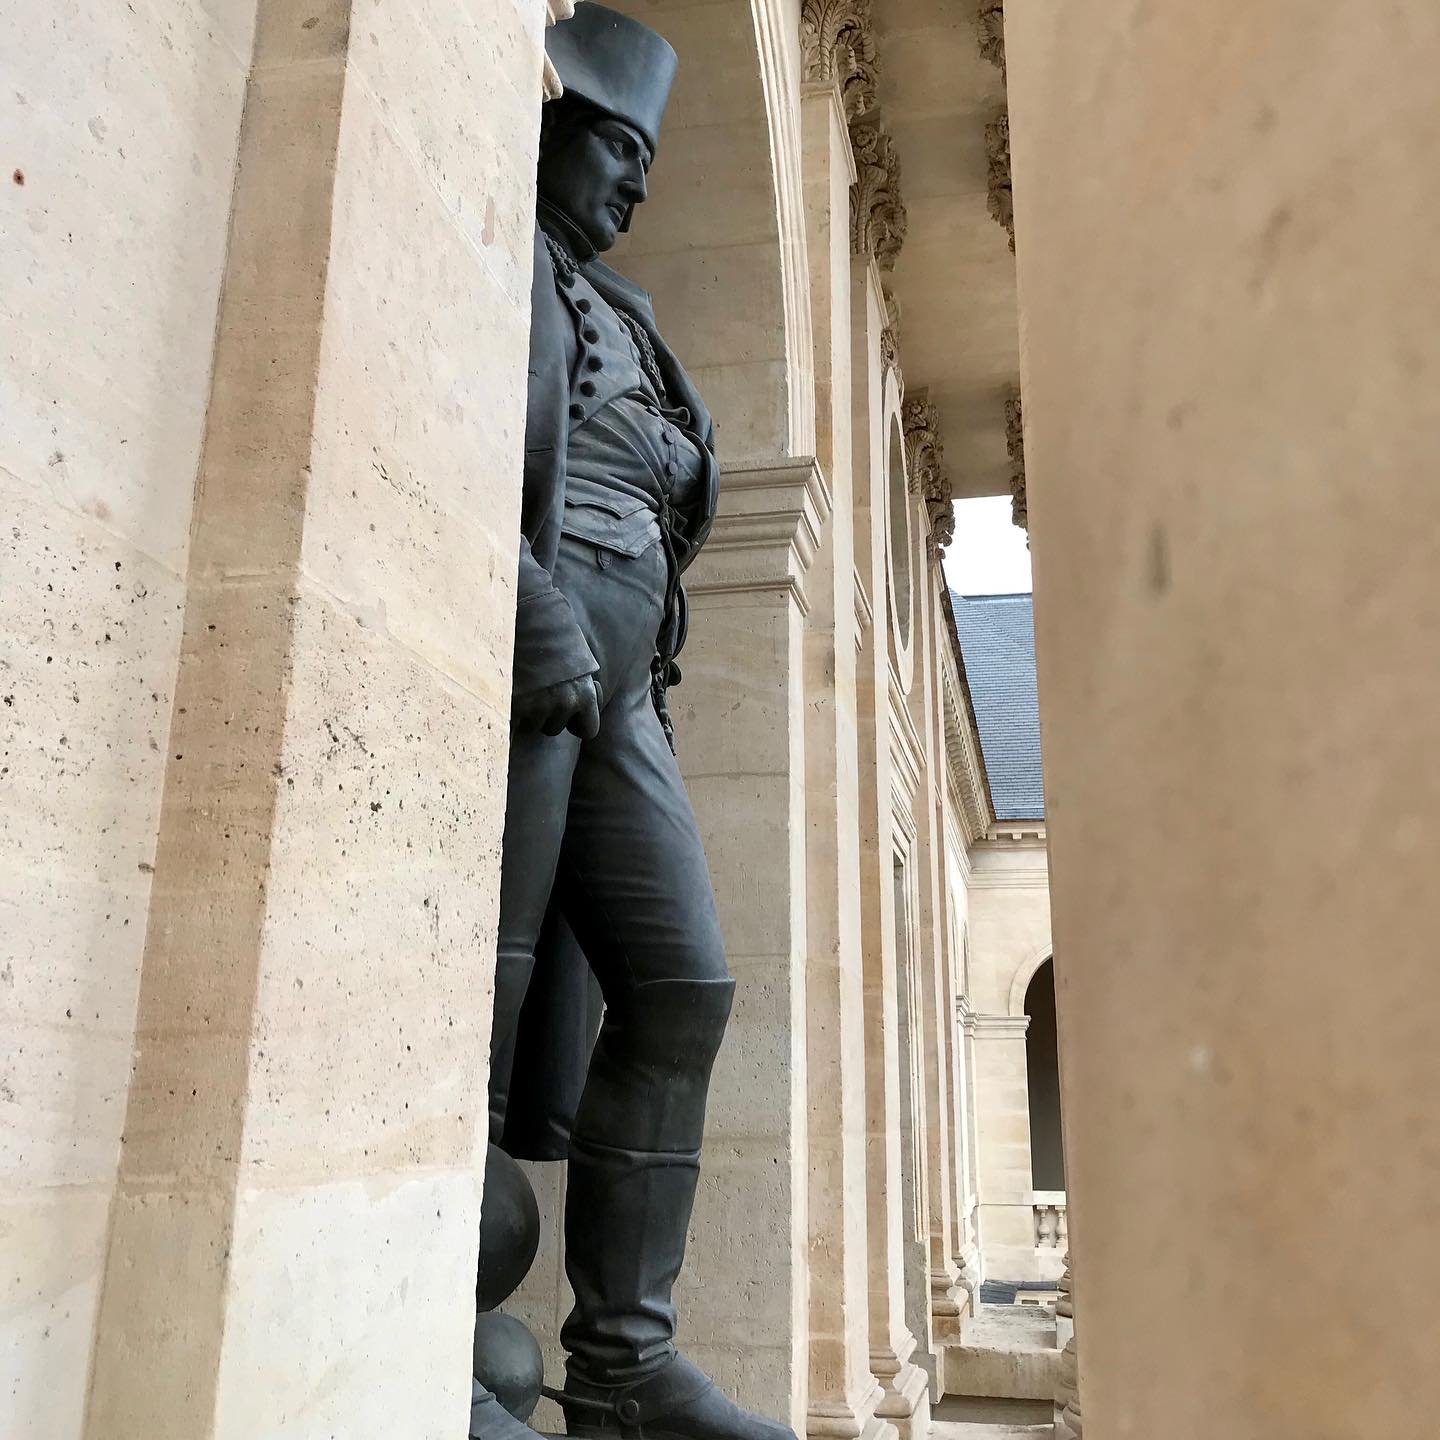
(1052, 1228)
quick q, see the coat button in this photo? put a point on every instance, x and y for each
(628, 1411)
(586, 387)
(670, 467)
(591, 334)
(577, 412)
(594, 362)
(583, 305)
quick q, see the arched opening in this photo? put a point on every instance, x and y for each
(1042, 1064)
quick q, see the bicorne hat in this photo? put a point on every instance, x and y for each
(616, 64)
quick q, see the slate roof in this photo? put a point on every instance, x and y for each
(997, 639)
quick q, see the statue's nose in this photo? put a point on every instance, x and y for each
(634, 185)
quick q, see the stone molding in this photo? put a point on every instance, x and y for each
(769, 528)
(925, 464)
(992, 32)
(1015, 444)
(901, 1379)
(864, 612)
(878, 221)
(849, 1420)
(837, 47)
(1001, 199)
(1000, 1027)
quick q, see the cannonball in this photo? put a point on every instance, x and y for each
(509, 1230)
(508, 1362)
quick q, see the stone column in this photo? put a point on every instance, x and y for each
(1229, 249)
(972, 1245)
(949, 1299)
(1002, 1122)
(740, 727)
(1068, 1422)
(892, 1345)
(843, 1391)
(294, 1226)
(120, 127)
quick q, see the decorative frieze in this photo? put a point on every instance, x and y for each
(997, 151)
(1015, 444)
(877, 214)
(992, 32)
(837, 47)
(925, 464)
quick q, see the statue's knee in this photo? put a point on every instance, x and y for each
(678, 1024)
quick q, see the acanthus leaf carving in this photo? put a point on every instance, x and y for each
(992, 32)
(837, 46)
(925, 465)
(997, 150)
(877, 214)
(890, 341)
(1015, 444)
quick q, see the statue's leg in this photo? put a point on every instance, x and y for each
(541, 770)
(636, 888)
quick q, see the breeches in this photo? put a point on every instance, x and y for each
(605, 829)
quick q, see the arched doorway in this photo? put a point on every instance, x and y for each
(1042, 1063)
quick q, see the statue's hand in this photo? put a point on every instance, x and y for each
(572, 705)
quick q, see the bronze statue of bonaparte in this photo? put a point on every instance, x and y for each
(604, 874)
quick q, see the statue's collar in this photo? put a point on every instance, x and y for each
(559, 226)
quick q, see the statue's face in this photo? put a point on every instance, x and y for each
(594, 172)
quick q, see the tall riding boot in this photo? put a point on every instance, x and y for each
(634, 1166)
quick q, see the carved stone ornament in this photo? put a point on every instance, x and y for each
(992, 32)
(877, 214)
(1015, 444)
(925, 465)
(890, 341)
(550, 86)
(837, 46)
(997, 150)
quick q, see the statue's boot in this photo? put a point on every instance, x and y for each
(490, 1420)
(681, 1402)
(634, 1166)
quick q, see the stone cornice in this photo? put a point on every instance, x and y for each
(997, 151)
(877, 214)
(964, 766)
(768, 530)
(925, 464)
(837, 47)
